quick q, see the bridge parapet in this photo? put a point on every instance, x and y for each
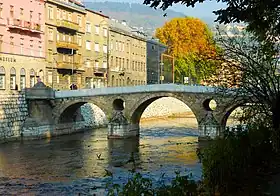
(40, 92)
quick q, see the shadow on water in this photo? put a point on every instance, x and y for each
(121, 152)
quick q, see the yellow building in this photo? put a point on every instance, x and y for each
(64, 32)
(96, 49)
(127, 59)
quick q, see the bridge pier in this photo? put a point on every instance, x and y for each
(209, 128)
(120, 128)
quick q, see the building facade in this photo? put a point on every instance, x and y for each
(96, 49)
(22, 49)
(65, 29)
(127, 56)
(155, 67)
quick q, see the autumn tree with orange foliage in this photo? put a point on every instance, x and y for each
(190, 41)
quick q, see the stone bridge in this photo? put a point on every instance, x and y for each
(123, 106)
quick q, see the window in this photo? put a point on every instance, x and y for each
(88, 63)
(1, 10)
(50, 33)
(50, 77)
(88, 45)
(21, 46)
(105, 48)
(50, 12)
(69, 16)
(64, 15)
(13, 79)
(22, 79)
(2, 78)
(57, 79)
(96, 63)
(30, 15)
(79, 40)
(104, 64)
(127, 64)
(58, 16)
(88, 27)
(123, 47)
(79, 20)
(105, 32)
(39, 17)
(40, 51)
(1, 42)
(117, 44)
(112, 61)
(11, 11)
(11, 44)
(96, 47)
(21, 12)
(112, 45)
(97, 30)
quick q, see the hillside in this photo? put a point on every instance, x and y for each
(136, 15)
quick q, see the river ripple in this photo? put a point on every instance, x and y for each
(69, 165)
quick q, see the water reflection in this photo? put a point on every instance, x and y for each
(72, 164)
(122, 152)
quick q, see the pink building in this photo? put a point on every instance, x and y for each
(22, 27)
(22, 47)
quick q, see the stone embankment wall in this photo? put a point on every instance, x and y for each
(13, 112)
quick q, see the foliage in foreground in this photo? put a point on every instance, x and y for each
(231, 166)
(138, 185)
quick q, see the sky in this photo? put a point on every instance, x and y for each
(200, 10)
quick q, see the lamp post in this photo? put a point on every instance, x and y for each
(54, 61)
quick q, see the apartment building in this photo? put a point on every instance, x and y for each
(22, 50)
(155, 66)
(127, 59)
(65, 28)
(96, 49)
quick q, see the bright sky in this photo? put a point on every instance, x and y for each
(200, 10)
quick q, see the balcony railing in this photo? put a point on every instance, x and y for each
(69, 62)
(68, 45)
(99, 70)
(67, 24)
(24, 25)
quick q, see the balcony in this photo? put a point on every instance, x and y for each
(66, 62)
(67, 24)
(15, 23)
(99, 70)
(67, 45)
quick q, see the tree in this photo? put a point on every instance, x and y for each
(262, 17)
(191, 42)
(257, 63)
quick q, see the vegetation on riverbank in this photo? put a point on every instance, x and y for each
(234, 165)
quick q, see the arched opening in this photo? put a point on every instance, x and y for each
(165, 111)
(234, 116)
(209, 104)
(13, 78)
(118, 104)
(22, 79)
(89, 113)
(32, 77)
(2, 78)
(113, 81)
(41, 75)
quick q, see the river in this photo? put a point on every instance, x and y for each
(75, 164)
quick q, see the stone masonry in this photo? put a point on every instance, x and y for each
(13, 112)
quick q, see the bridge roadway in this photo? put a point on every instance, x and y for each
(134, 89)
(124, 106)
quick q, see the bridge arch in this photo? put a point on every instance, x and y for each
(138, 109)
(230, 109)
(68, 111)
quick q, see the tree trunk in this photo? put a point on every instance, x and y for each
(276, 126)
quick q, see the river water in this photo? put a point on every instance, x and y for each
(75, 164)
